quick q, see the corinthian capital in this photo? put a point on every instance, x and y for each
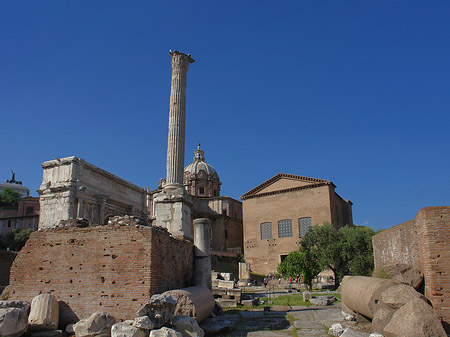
(180, 59)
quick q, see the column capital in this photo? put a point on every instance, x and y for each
(180, 59)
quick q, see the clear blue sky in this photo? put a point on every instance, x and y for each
(357, 92)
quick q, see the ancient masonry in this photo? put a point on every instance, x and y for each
(113, 260)
(422, 243)
(173, 204)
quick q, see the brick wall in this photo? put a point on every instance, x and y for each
(423, 242)
(398, 244)
(113, 269)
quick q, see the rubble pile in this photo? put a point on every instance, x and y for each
(157, 318)
(393, 305)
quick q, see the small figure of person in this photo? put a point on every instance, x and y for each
(265, 282)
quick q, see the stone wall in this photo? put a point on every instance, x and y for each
(423, 242)
(74, 188)
(109, 268)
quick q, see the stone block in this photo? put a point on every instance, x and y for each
(227, 303)
(336, 330)
(160, 309)
(307, 296)
(165, 332)
(197, 302)
(187, 326)
(381, 318)
(219, 291)
(13, 321)
(225, 284)
(404, 273)
(126, 330)
(214, 283)
(399, 295)
(44, 313)
(227, 276)
(143, 322)
(98, 324)
(416, 318)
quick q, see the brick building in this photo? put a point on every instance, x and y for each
(423, 243)
(281, 210)
(24, 216)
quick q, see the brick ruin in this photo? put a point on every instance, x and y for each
(115, 269)
(424, 243)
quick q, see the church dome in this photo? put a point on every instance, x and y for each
(199, 164)
(200, 178)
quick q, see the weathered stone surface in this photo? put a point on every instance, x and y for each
(44, 313)
(143, 322)
(197, 302)
(363, 294)
(352, 333)
(98, 324)
(347, 316)
(416, 318)
(336, 330)
(165, 332)
(126, 330)
(225, 284)
(216, 325)
(381, 318)
(187, 326)
(400, 294)
(48, 333)
(306, 296)
(160, 309)
(227, 276)
(404, 273)
(13, 321)
(323, 300)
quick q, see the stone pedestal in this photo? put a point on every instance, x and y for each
(244, 273)
(173, 211)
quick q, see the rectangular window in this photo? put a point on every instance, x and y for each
(285, 228)
(304, 226)
(30, 210)
(266, 230)
(226, 234)
(202, 190)
(9, 223)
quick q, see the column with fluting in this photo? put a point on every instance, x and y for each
(177, 118)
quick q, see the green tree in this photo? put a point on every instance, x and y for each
(9, 197)
(300, 262)
(347, 251)
(15, 239)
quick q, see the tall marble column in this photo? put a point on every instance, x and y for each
(173, 204)
(177, 118)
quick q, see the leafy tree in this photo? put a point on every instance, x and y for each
(300, 262)
(9, 197)
(15, 239)
(347, 251)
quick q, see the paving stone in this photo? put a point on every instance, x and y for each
(303, 315)
(263, 324)
(308, 325)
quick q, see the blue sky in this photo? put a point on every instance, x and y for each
(356, 92)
